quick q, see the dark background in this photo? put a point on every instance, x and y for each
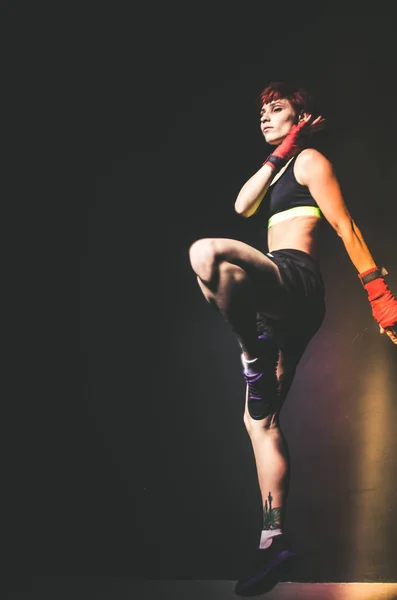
(128, 131)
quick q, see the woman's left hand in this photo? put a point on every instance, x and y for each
(391, 332)
(317, 125)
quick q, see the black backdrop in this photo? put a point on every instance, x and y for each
(128, 131)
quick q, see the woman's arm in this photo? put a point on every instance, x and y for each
(314, 170)
(253, 191)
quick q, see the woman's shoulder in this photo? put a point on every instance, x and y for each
(310, 156)
(309, 161)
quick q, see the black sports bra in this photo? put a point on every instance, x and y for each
(288, 199)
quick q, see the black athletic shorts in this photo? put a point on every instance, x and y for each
(303, 280)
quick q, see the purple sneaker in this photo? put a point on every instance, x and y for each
(261, 379)
(266, 569)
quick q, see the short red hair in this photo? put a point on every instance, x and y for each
(299, 97)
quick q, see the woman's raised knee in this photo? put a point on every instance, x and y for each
(206, 257)
(201, 254)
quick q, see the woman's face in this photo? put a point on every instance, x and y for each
(277, 118)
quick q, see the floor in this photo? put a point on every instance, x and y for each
(112, 588)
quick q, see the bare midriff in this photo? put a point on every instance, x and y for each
(298, 233)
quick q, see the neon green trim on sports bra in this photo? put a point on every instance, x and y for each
(297, 211)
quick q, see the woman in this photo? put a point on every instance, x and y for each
(274, 302)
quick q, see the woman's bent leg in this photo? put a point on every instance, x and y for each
(239, 280)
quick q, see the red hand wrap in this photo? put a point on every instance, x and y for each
(383, 303)
(293, 142)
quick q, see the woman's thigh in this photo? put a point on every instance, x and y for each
(271, 293)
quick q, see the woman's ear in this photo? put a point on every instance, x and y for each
(299, 117)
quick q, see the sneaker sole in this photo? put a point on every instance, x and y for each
(267, 579)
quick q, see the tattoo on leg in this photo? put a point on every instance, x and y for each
(271, 516)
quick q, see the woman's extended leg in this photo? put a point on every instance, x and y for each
(272, 558)
(271, 453)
